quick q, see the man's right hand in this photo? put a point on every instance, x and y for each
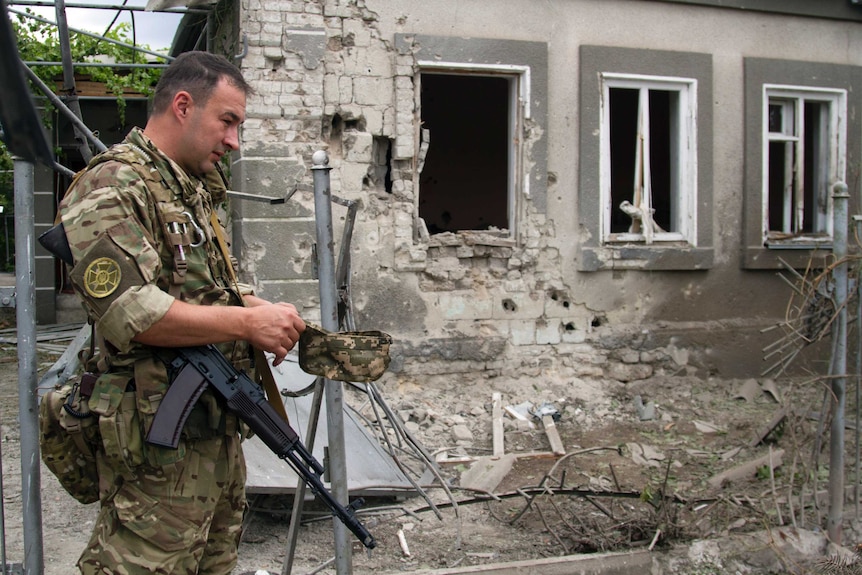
(274, 328)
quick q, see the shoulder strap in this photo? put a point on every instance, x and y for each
(261, 364)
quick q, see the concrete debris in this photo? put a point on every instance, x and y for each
(771, 388)
(645, 454)
(707, 427)
(521, 412)
(645, 412)
(461, 432)
(546, 409)
(751, 389)
(748, 391)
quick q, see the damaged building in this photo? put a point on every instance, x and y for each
(568, 188)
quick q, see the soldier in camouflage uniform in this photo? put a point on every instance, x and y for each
(150, 271)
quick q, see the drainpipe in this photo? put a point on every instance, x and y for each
(834, 521)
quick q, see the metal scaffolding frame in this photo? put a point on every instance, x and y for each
(68, 105)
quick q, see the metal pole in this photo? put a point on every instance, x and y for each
(334, 391)
(61, 106)
(858, 386)
(299, 494)
(834, 521)
(28, 407)
(69, 78)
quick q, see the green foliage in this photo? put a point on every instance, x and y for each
(39, 42)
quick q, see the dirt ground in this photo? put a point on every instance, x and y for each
(639, 471)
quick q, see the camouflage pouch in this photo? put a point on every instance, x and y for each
(67, 437)
(344, 356)
(119, 424)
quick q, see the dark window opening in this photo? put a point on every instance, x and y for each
(626, 160)
(797, 169)
(464, 184)
(782, 182)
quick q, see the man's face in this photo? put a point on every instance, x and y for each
(212, 130)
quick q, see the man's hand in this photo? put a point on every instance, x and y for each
(272, 327)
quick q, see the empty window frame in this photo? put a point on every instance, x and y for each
(648, 160)
(803, 155)
(469, 121)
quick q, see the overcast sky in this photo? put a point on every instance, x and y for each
(154, 28)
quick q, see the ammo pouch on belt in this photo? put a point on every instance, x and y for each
(115, 403)
(68, 436)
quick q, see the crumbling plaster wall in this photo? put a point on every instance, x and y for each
(330, 75)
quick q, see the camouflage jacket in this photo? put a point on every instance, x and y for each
(140, 234)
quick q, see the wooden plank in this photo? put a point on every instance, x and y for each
(590, 564)
(486, 473)
(471, 459)
(767, 429)
(497, 424)
(747, 469)
(553, 435)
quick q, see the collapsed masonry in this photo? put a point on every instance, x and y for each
(458, 301)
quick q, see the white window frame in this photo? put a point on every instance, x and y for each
(519, 106)
(684, 157)
(793, 99)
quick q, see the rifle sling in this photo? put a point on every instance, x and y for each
(264, 374)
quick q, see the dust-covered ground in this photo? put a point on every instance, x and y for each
(640, 471)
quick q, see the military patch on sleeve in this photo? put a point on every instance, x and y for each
(102, 277)
(104, 273)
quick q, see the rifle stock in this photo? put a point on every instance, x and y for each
(205, 365)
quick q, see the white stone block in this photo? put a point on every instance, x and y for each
(523, 332)
(372, 91)
(547, 333)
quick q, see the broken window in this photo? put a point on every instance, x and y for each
(468, 137)
(803, 157)
(648, 172)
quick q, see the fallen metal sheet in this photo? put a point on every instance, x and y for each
(371, 471)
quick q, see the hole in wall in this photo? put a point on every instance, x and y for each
(597, 321)
(570, 326)
(336, 131)
(509, 305)
(380, 174)
(561, 298)
(356, 125)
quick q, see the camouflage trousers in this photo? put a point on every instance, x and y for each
(183, 519)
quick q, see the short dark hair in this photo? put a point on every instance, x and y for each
(197, 73)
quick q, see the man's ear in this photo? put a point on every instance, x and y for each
(182, 104)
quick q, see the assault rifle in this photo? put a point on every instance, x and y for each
(199, 367)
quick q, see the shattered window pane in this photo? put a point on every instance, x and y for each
(649, 181)
(802, 157)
